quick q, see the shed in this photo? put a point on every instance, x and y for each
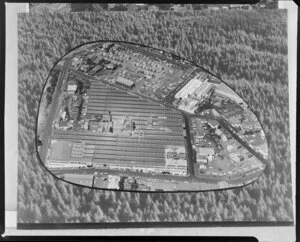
(72, 88)
(125, 82)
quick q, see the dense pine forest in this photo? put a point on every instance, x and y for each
(247, 49)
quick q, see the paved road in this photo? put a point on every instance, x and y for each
(244, 178)
(190, 161)
(135, 174)
(229, 128)
(226, 125)
(234, 182)
(54, 105)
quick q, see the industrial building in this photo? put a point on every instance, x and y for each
(71, 88)
(204, 154)
(214, 124)
(220, 133)
(193, 93)
(64, 153)
(176, 160)
(125, 82)
(194, 86)
(142, 149)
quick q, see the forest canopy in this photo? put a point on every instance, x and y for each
(247, 49)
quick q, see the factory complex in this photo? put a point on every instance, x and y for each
(119, 131)
(129, 117)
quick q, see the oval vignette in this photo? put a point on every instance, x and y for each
(122, 116)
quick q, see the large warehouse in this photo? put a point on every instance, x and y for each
(156, 129)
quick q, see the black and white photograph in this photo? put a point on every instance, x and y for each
(161, 114)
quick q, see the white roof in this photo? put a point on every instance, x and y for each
(219, 132)
(188, 88)
(124, 80)
(205, 151)
(72, 87)
(201, 160)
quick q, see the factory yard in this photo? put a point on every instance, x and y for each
(130, 118)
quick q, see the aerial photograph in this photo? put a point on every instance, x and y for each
(171, 113)
(116, 115)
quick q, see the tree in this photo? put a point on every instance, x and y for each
(119, 7)
(49, 99)
(256, 66)
(98, 215)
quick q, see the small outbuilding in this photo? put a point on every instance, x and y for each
(71, 88)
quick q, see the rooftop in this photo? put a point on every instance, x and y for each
(205, 151)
